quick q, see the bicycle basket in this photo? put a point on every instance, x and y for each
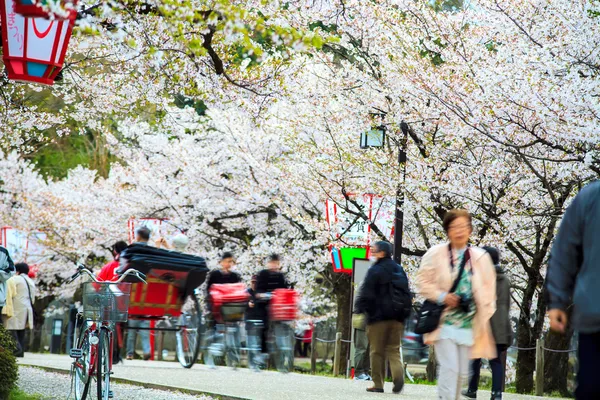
(233, 311)
(106, 301)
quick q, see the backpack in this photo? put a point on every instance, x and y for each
(400, 295)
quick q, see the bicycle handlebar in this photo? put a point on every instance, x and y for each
(81, 269)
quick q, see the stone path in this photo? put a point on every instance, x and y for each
(243, 383)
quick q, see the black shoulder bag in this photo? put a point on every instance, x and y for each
(428, 318)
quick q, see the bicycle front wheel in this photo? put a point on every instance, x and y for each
(82, 365)
(103, 365)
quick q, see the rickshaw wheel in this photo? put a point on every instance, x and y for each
(189, 334)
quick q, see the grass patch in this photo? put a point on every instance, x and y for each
(18, 394)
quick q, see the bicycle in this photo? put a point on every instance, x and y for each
(104, 303)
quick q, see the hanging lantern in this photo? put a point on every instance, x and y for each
(33, 48)
(59, 9)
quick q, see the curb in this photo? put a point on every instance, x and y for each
(146, 385)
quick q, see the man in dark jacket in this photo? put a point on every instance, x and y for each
(501, 330)
(385, 326)
(222, 275)
(573, 278)
(271, 278)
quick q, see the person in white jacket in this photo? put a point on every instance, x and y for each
(21, 296)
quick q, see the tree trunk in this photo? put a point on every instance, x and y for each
(556, 365)
(525, 339)
(39, 307)
(343, 295)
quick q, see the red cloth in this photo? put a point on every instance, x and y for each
(308, 334)
(107, 273)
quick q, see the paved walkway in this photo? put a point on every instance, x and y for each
(243, 383)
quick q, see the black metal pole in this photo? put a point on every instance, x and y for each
(399, 215)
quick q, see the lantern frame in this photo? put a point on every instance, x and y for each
(40, 9)
(25, 63)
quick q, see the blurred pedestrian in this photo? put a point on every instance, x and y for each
(107, 273)
(7, 270)
(501, 330)
(256, 317)
(362, 363)
(464, 330)
(139, 327)
(385, 322)
(21, 296)
(573, 278)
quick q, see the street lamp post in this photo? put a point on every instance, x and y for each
(399, 214)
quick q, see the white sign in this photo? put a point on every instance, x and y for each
(355, 231)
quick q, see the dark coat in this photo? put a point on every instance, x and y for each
(259, 311)
(500, 321)
(375, 298)
(573, 275)
(267, 281)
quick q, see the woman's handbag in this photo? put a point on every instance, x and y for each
(428, 318)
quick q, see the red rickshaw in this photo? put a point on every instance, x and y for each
(169, 300)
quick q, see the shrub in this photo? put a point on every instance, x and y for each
(8, 364)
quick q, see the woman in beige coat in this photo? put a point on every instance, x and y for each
(19, 305)
(464, 331)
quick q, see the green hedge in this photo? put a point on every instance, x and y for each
(8, 364)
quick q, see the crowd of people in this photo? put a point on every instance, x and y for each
(464, 283)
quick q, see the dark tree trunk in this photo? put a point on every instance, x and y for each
(525, 339)
(343, 293)
(39, 307)
(556, 365)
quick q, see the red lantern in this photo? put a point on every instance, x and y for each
(60, 9)
(33, 48)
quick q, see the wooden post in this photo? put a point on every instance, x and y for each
(313, 353)
(539, 367)
(337, 353)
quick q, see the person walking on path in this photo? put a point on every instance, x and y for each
(501, 330)
(142, 237)
(107, 273)
(464, 330)
(385, 324)
(19, 304)
(573, 278)
(7, 270)
(362, 365)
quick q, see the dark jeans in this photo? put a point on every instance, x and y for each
(302, 348)
(588, 384)
(20, 339)
(497, 371)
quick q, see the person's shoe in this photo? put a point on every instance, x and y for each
(129, 357)
(362, 377)
(374, 390)
(496, 396)
(398, 387)
(469, 394)
(147, 357)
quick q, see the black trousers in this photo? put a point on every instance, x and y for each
(497, 371)
(20, 339)
(588, 384)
